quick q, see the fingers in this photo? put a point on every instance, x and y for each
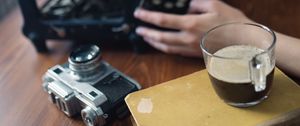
(174, 49)
(172, 38)
(163, 19)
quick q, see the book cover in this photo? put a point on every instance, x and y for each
(192, 101)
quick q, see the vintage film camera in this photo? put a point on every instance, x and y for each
(89, 85)
(109, 21)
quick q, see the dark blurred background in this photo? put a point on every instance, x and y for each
(6, 6)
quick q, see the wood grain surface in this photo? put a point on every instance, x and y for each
(24, 103)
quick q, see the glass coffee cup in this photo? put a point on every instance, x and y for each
(240, 61)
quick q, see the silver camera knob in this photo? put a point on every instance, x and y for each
(90, 117)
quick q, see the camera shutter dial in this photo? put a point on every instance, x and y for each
(90, 117)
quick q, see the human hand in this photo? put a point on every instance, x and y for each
(202, 16)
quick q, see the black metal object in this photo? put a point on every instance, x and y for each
(81, 20)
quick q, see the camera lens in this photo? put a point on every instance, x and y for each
(85, 54)
(85, 63)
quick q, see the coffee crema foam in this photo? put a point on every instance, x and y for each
(236, 70)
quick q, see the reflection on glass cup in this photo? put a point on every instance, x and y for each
(240, 61)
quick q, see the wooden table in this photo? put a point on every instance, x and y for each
(23, 102)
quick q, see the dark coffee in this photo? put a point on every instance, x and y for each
(231, 77)
(240, 92)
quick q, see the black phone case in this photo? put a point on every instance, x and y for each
(179, 7)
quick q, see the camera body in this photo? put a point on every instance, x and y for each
(110, 21)
(88, 85)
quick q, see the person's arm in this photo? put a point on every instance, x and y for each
(287, 54)
(205, 14)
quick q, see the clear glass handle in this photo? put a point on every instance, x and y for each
(257, 73)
